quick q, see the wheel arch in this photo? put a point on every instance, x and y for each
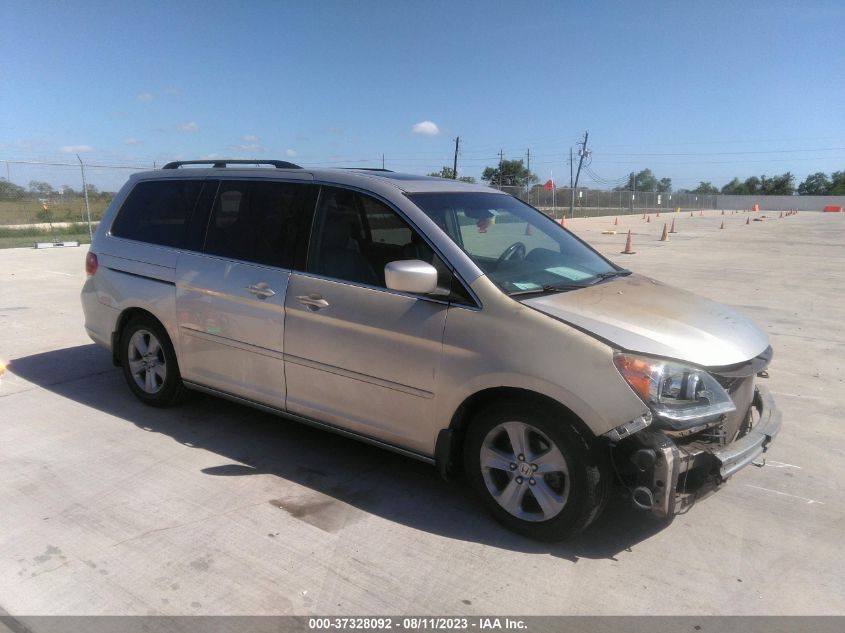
(449, 447)
(123, 319)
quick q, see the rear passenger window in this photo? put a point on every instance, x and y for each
(255, 221)
(157, 212)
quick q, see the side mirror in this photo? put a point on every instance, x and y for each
(411, 275)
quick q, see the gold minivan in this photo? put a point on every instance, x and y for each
(450, 322)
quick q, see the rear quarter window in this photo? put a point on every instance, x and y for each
(157, 212)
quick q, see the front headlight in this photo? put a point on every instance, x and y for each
(681, 397)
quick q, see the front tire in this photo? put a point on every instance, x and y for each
(149, 363)
(534, 471)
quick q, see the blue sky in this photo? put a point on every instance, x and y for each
(695, 91)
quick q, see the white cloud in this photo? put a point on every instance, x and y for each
(190, 126)
(146, 96)
(251, 143)
(426, 128)
(131, 141)
(75, 149)
(290, 153)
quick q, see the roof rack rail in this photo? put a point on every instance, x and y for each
(224, 162)
(367, 169)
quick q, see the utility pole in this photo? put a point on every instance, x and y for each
(87, 206)
(528, 170)
(455, 162)
(583, 153)
(571, 183)
(382, 161)
(501, 160)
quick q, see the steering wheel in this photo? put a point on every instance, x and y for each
(511, 252)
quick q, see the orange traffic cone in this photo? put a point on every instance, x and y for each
(643, 216)
(616, 222)
(672, 230)
(747, 221)
(658, 214)
(781, 215)
(563, 220)
(648, 219)
(723, 213)
(690, 214)
(665, 236)
(629, 246)
(527, 228)
(723, 225)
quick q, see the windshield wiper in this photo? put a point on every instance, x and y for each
(563, 287)
(548, 288)
(622, 272)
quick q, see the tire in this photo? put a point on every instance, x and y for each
(574, 484)
(149, 363)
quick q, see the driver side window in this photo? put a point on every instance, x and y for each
(355, 236)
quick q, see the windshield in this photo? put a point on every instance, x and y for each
(518, 248)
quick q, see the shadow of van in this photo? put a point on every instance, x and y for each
(341, 472)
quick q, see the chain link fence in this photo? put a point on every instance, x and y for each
(34, 210)
(596, 202)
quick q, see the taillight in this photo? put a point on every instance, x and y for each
(91, 264)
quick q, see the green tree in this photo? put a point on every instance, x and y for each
(705, 188)
(40, 187)
(837, 183)
(817, 184)
(734, 188)
(751, 186)
(513, 174)
(643, 181)
(664, 185)
(783, 185)
(449, 174)
(10, 191)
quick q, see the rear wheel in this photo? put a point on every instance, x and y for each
(534, 471)
(149, 363)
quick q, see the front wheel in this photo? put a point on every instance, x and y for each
(534, 471)
(149, 363)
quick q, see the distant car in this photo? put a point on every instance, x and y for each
(449, 322)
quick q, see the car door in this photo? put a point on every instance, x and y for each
(230, 297)
(357, 355)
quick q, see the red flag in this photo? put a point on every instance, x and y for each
(549, 185)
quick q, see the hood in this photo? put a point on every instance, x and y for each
(642, 315)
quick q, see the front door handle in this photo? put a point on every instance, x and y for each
(313, 301)
(261, 290)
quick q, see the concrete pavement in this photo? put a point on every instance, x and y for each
(111, 507)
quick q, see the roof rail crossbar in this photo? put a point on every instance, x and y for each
(224, 162)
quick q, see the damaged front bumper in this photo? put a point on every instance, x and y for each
(666, 473)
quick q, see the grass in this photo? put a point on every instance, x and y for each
(17, 238)
(28, 211)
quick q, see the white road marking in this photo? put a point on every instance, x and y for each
(785, 494)
(774, 464)
(58, 273)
